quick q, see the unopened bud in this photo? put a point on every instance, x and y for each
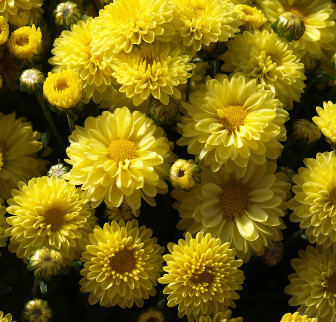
(184, 174)
(289, 25)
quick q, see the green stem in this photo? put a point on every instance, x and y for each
(71, 123)
(35, 286)
(188, 89)
(216, 66)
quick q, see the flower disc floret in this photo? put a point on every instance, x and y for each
(326, 120)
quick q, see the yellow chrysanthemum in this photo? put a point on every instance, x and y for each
(120, 156)
(314, 203)
(49, 212)
(319, 18)
(218, 317)
(313, 285)
(243, 209)
(326, 120)
(3, 223)
(25, 44)
(11, 7)
(27, 17)
(272, 61)
(63, 89)
(73, 50)
(251, 17)
(152, 69)
(201, 275)
(233, 122)
(18, 148)
(125, 23)
(121, 265)
(5, 318)
(4, 30)
(296, 317)
(201, 22)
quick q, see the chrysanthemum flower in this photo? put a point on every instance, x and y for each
(152, 69)
(5, 318)
(314, 203)
(25, 44)
(121, 265)
(218, 317)
(313, 285)
(11, 7)
(3, 223)
(63, 89)
(4, 30)
(273, 62)
(37, 310)
(120, 156)
(296, 317)
(319, 19)
(251, 17)
(73, 50)
(124, 212)
(26, 17)
(326, 120)
(125, 23)
(201, 275)
(233, 122)
(151, 315)
(49, 212)
(18, 148)
(243, 209)
(201, 22)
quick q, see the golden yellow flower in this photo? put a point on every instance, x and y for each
(296, 317)
(326, 120)
(4, 30)
(10, 7)
(27, 17)
(243, 126)
(25, 44)
(3, 223)
(125, 23)
(49, 212)
(319, 18)
(273, 62)
(5, 318)
(152, 69)
(313, 285)
(201, 275)
(201, 22)
(184, 174)
(251, 17)
(18, 149)
(63, 89)
(314, 203)
(243, 209)
(121, 265)
(120, 156)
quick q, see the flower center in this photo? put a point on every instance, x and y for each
(298, 11)
(235, 199)
(202, 278)
(55, 218)
(232, 116)
(22, 40)
(61, 84)
(123, 261)
(122, 149)
(332, 283)
(332, 196)
(274, 59)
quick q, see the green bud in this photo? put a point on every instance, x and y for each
(289, 25)
(37, 310)
(31, 81)
(163, 114)
(58, 170)
(66, 14)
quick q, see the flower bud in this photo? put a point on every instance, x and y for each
(333, 62)
(58, 170)
(37, 310)
(66, 14)
(273, 256)
(31, 81)
(4, 30)
(289, 25)
(117, 213)
(164, 114)
(151, 315)
(305, 131)
(184, 174)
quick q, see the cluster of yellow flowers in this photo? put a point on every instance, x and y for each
(141, 56)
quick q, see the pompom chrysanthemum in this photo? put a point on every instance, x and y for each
(201, 275)
(119, 156)
(233, 122)
(296, 317)
(11, 7)
(18, 148)
(251, 17)
(4, 30)
(3, 224)
(273, 62)
(121, 265)
(313, 285)
(326, 120)
(243, 209)
(152, 69)
(49, 212)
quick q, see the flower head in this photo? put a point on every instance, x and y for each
(326, 120)
(273, 62)
(305, 131)
(11, 7)
(184, 174)
(251, 17)
(296, 317)
(202, 275)
(5, 318)
(49, 212)
(27, 17)
(3, 224)
(119, 156)
(67, 13)
(121, 265)
(151, 316)
(163, 114)
(63, 89)
(37, 310)
(4, 31)
(31, 81)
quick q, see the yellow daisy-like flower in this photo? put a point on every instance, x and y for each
(251, 17)
(233, 122)
(63, 89)
(3, 224)
(319, 19)
(296, 317)
(18, 148)
(201, 22)
(72, 50)
(314, 203)
(218, 317)
(25, 44)
(5, 318)
(121, 265)
(152, 69)
(49, 212)
(202, 275)
(313, 285)
(125, 23)
(243, 209)
(120, 156)
(273, 62)
(4, 30)
(326, 120)
(10, 7)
